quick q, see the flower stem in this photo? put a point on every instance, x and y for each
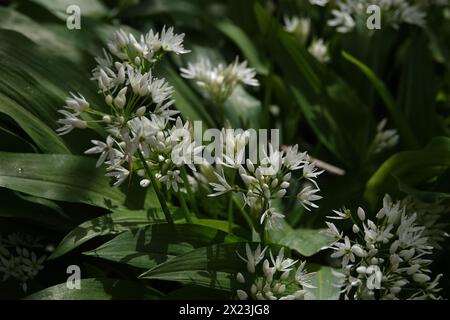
(184, 207)
(189, 190)
(230, 206)
(244, 213)
(158, 192)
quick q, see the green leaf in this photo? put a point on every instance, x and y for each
(410, 166)
(110, 224)
(88, 8)
(244, 43)
(152, 245)
(210, 266)
(97, 289)
(323, 283)
(44, 137)
(13, 20)
(14, 207)
(305, 241)
(12, 142)
(404, 130)
(59, 177)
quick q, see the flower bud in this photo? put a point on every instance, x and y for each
(144, 183)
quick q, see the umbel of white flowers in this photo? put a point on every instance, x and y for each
(388, 258)
(139, 119)
(19, 258)
(277, 278)
(394, 12)
(218, 82)
(267, 180)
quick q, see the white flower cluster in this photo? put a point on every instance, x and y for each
(219, 81)
(319, 50)
(266, 180)
(394, 12)
(389, 257)
(385, 138)
(18, 260)
(300, 27)
(272, 279)
(139, 121)
(429, 214)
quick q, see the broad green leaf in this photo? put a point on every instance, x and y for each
(12, 142)
(410, 167)
(14, 207)
(44, 137)
(418, 88)
(13, 20)
(98, 289)
(305, 241)
(324, 285)
(59, 177)
(150, 246)
(110, 224)
(88, 8)
(210, 266)
(157, 7)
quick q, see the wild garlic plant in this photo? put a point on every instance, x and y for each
(430, 214)
(218, 82)
(139, 121)
(262, 182)
(20, 258)
(393, 12)
(385, 258)
(272, 278)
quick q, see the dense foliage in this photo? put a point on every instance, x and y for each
(353, 203)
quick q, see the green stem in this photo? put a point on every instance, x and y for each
(243, 212)
(189, 190)
(184, 207)
(158, 192)
(230, 206)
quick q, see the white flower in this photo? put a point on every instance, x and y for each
(321, 3)
(218, 82)
(119, 173)
(271, 217)
(294, 160)
(384, 139)
(242, 295)
(319, 50)
(341, 215)
(70, 122)
(303, 277)
(310, 173)
(342, 20)
(280, 263)
(221, 187)
(77, 104)
(172, 179)
(307, 196)
(106, 150)
(253, 258)
(171, 42)
(343, 250)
